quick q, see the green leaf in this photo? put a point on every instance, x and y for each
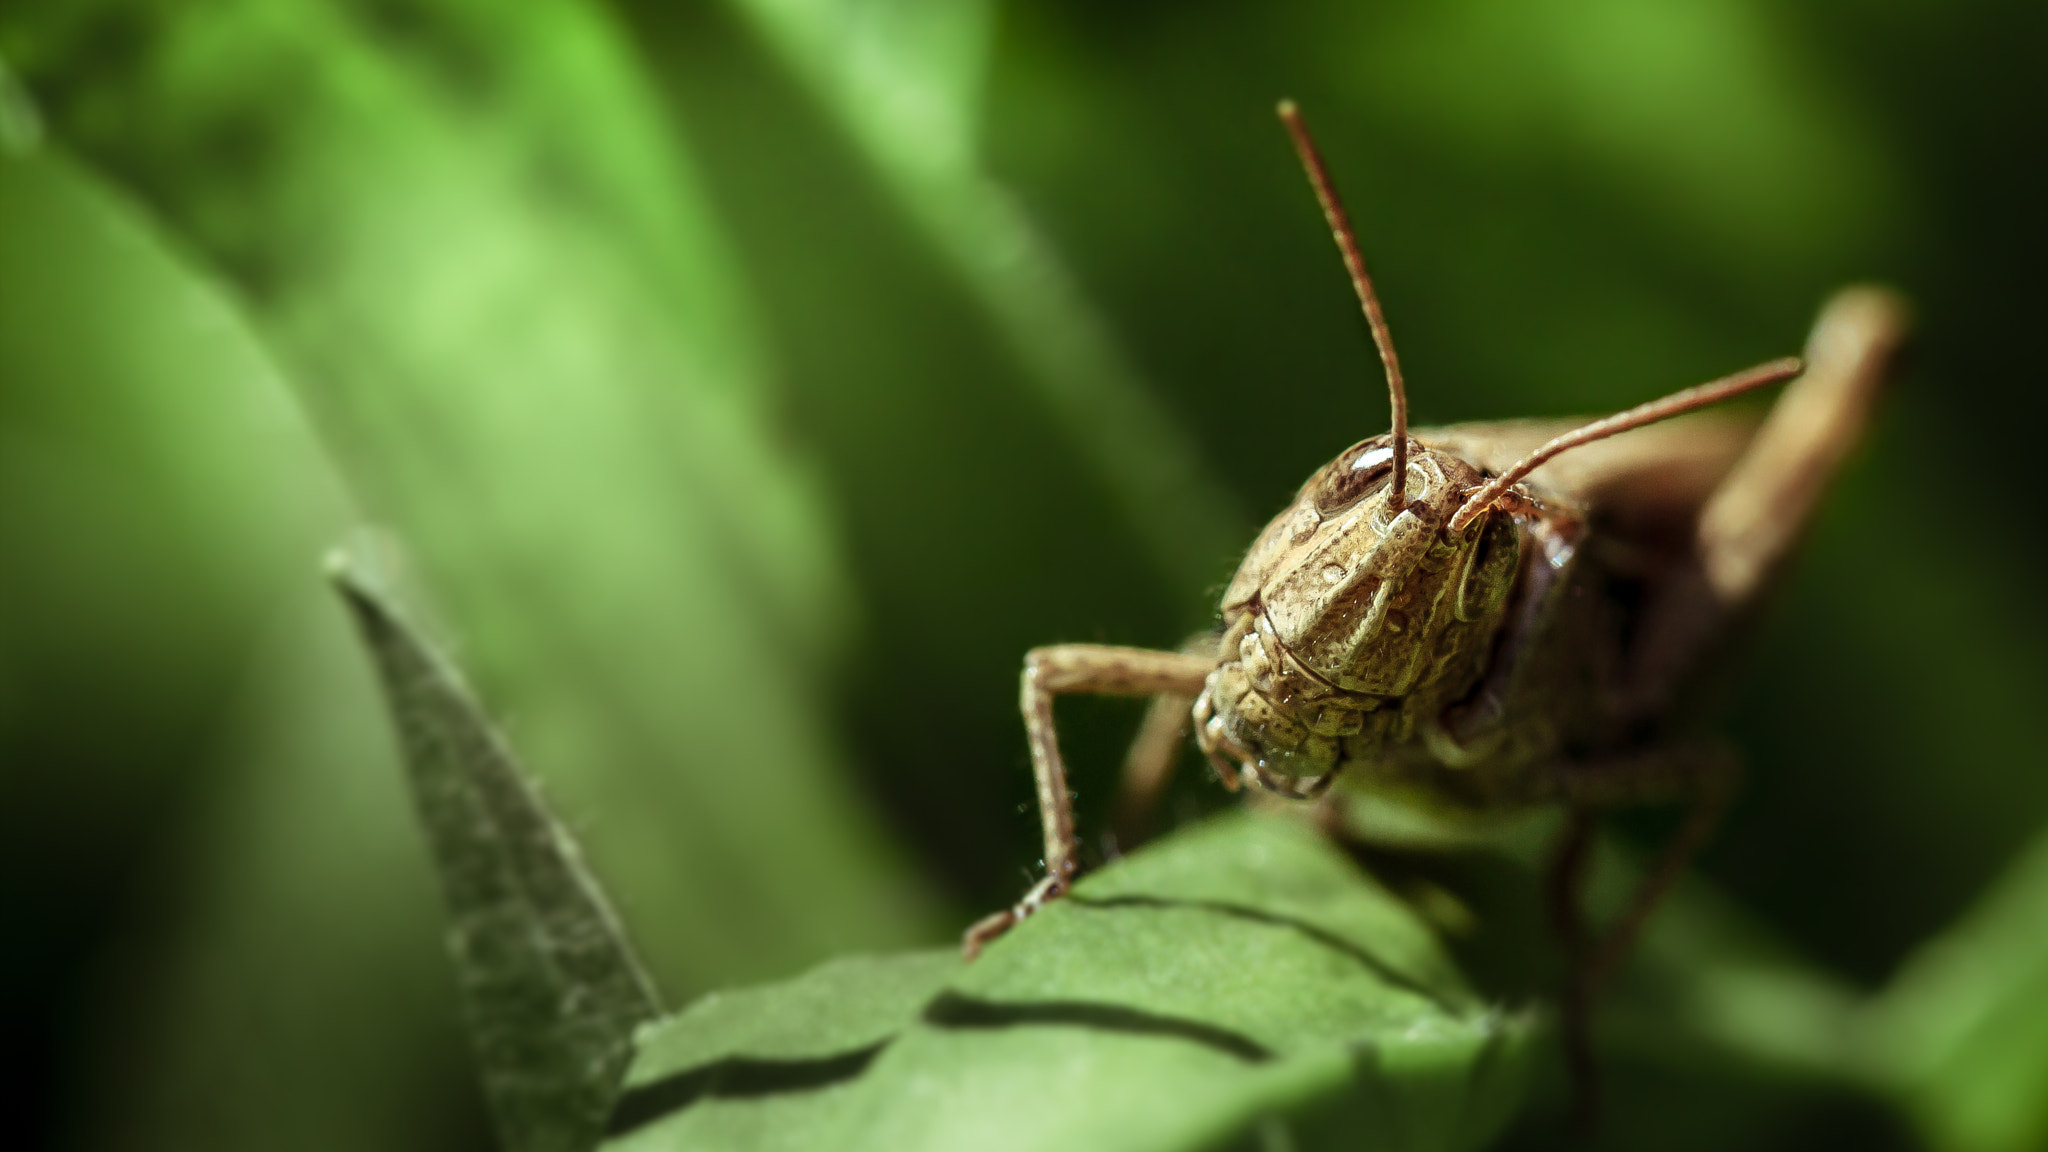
(1240, 979)
(552, 989)
(193, 713)
(1961, 1033)
(770, 1067)
(479, 254)
(905, 83)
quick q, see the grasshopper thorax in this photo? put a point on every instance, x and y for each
(1351, 620)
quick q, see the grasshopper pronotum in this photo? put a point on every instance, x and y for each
(1492, 615)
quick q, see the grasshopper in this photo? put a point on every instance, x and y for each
(1492, 616)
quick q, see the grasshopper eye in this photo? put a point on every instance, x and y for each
(1362, 469)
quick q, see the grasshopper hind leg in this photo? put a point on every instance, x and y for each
(1762, 507)
(1748, 525)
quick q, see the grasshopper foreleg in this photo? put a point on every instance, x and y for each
(1075, 669)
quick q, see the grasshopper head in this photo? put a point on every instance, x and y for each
(1374, 599)
(1352, 617)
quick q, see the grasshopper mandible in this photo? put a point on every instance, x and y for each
(1492, 615)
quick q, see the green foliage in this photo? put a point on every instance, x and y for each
(551, 988)
(750, 382)
(197, 765)
(906, 83)
(522, 340)
(1240, 981)
(1960, 1033)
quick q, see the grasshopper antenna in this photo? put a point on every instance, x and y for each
(1678, 403)
(1340, 227)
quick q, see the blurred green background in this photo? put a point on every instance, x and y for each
(748, 384)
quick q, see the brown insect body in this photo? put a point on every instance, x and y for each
(1490, 615)
(1464, 667)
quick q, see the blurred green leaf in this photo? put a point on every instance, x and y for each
(235, 941)
(905, 81)
(302, 996)
(1962, 1031)
(1242, 980)
(1719, 1035)
(550, 984)
(479, 254)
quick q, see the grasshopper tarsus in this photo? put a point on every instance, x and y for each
(984, 931)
